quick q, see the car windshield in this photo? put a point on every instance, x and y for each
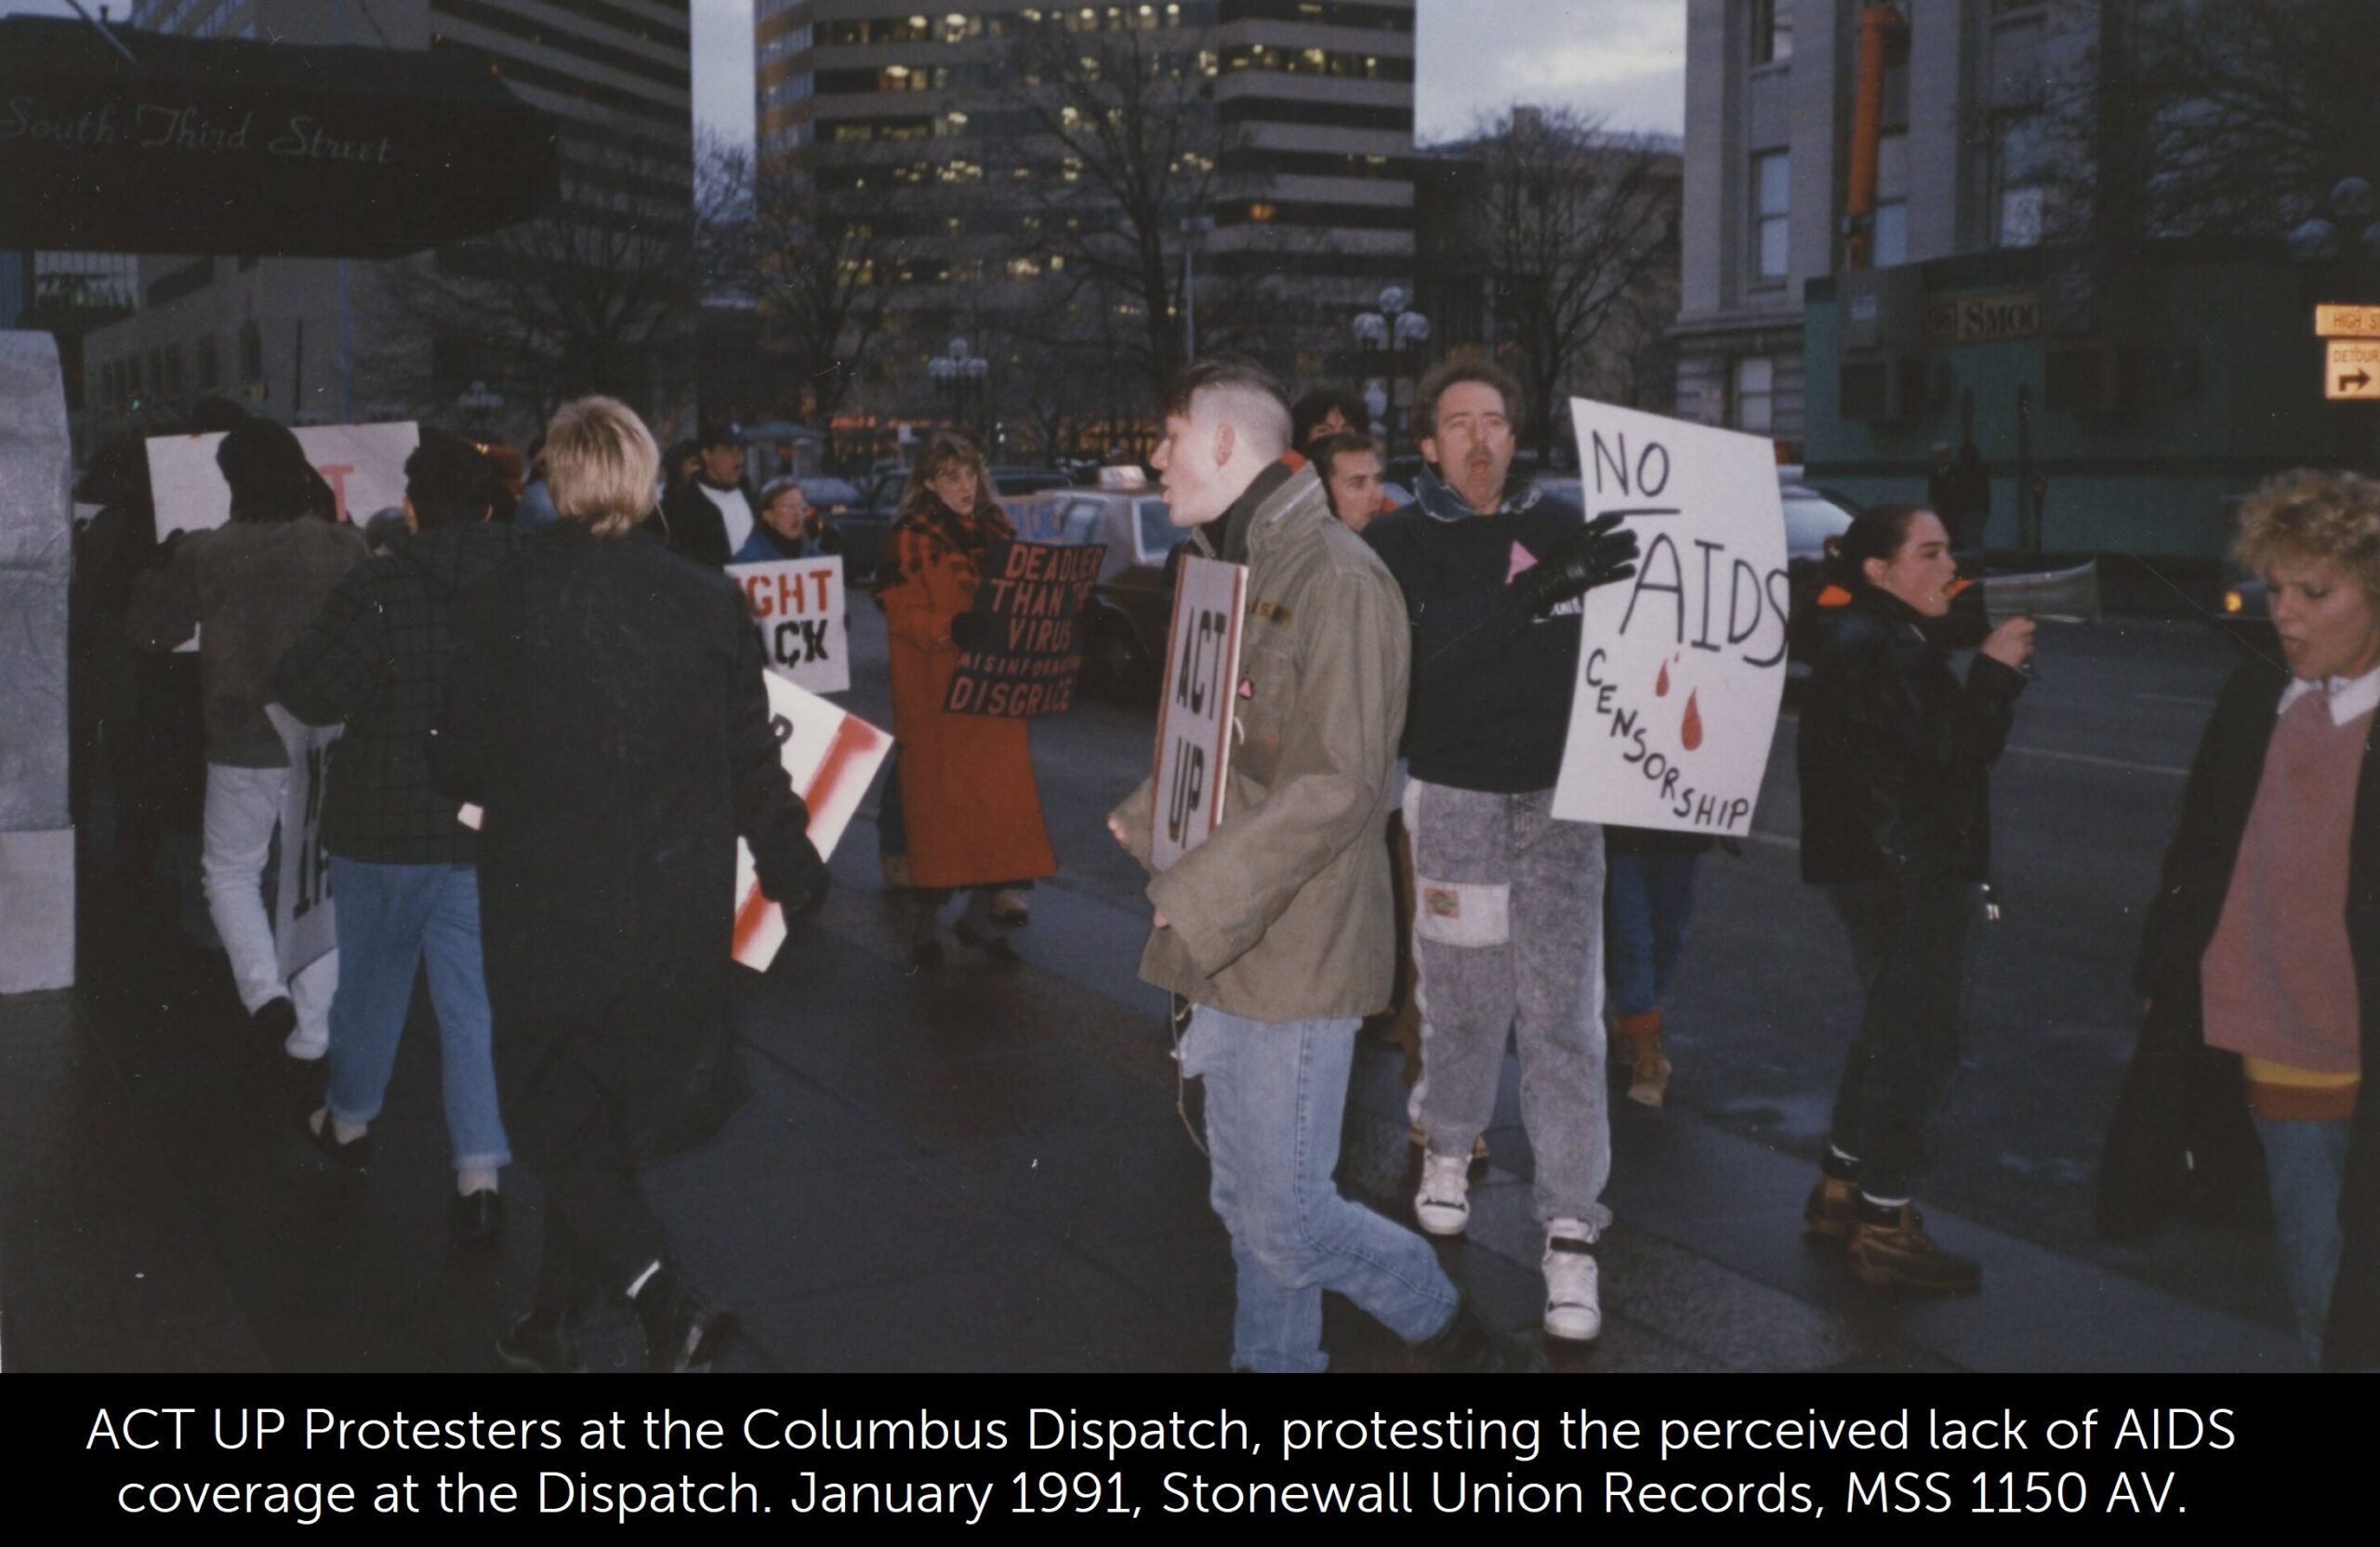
(828, 491)
(1158, 535)
(1810, 519)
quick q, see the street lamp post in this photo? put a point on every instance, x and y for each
(1394, 329)
(960, 375)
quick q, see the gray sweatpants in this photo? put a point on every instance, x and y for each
(1508, 933)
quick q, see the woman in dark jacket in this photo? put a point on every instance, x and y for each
(2260, 963)
(610, 717)
(1895, 756)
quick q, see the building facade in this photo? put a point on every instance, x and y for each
(1288, 192)
(322, 340)
(2125, 375)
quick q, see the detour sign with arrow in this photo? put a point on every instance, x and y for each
(2353, 369)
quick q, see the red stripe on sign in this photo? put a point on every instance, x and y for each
(853, 738)
(748, 917)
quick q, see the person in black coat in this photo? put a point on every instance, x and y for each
(608, 712)
(2211, 1117)
(1894, 758)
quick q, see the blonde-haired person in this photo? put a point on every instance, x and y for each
(2259, 964)
(608, 713)
(973, 815)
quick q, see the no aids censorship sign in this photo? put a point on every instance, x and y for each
(1681, 668)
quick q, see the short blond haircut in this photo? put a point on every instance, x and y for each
(2306, 514)
(600, 465)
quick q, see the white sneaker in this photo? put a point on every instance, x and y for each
(1573, 1309)
(1444, 1203)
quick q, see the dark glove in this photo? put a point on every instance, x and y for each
(806, 889)
(970, 631)
(1597, 554)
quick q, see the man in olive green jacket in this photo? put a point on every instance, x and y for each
(1278, 929)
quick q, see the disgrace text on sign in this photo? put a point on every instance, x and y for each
(304, 928)
(799, 605)
(1032, 597)
(831, 757)
(1194, 718)
(1679, 668)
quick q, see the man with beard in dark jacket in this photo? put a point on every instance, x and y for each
(710, 516)
(609, 714)
(403, 867)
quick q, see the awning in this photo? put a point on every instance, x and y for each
(220, 145)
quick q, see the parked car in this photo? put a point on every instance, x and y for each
(1028, 481)
(863, 524)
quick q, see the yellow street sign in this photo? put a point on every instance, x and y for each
(2352, 369)
(2347, 322)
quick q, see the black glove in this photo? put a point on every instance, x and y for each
(1597, 554)
(807, 888)
(970, 631)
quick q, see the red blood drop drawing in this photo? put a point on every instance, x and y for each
(1661, 683)
(1691, 732)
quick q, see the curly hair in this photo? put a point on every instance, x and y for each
(926, 529)
(2303, 513)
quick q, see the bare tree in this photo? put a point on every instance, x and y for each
(591, 296)
(1127, 141)
(2209, 117)
(1569, 226)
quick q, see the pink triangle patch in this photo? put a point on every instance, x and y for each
(1523, 561)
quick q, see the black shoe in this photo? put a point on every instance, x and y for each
(681, 1332)
(1467, 1345)
(352, 1155)
(995, 947)
(474, 1219)
(540, 1343)
(275, 1019)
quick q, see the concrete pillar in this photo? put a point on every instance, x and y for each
(36, 557)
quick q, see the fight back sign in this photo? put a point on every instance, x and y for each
(1032, 597)
(1194, 719)
(830, 757)
(1682, 667)
(304, 927)
(798, 604)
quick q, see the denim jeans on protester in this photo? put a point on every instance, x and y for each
(1907, 940)
(1648, 902)
(391, 918)
(2306, 1170)
(1276, 1095)
(242, 807)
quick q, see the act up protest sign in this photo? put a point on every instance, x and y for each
(830, 757)
(799, 605)
(1679, 668)
(364, 465)
(304, 928)
(1031, 600)
(1193, 719)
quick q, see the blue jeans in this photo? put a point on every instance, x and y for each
(390, 916)
(2304, 1169)
(1647, 900)
(1277, 1093)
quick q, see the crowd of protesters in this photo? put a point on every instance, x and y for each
(556, 731)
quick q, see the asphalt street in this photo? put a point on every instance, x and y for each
(2083, 804)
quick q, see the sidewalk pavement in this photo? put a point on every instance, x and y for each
(977, 1168)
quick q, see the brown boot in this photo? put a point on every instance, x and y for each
(1834, 1209)
(1900, 1255)
(1649, 1079)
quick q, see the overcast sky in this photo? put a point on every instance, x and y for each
(1623, 58)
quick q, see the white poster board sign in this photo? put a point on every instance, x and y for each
(1194, 718)
(364, 465)
(304, 928)
(831, 757)
(1682, 667)
(799, 605)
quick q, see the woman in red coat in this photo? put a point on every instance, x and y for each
(967, 793)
